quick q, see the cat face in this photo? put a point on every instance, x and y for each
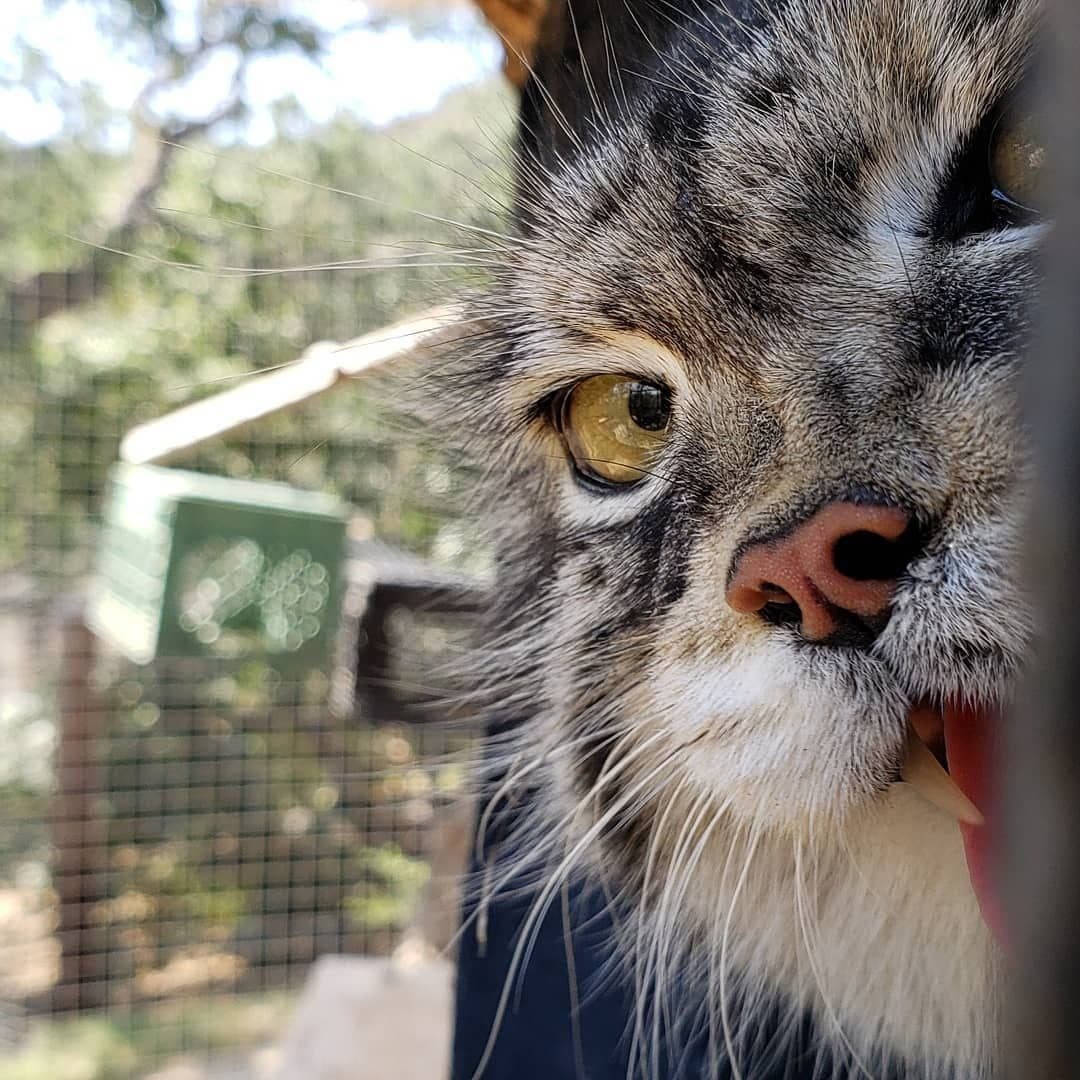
(777, 273)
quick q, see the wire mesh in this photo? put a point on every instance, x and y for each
(182, 839)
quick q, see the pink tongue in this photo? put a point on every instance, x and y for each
(969, 745)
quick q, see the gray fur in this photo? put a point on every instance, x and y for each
(757, 220)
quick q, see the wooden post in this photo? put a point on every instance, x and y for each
(1042, 781)
(78, 830)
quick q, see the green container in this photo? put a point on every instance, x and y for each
(197, 565)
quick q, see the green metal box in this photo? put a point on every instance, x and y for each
(198, 565)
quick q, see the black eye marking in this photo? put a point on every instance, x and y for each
(994, 180)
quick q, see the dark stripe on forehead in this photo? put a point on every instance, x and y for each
(840, 161)
(707, 228)
(767, 91)
(975, 15)
(611, 190)
(676, 125)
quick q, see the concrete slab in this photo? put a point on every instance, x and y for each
(361, 1018)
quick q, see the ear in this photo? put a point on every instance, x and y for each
(568, 58)
(518, 23)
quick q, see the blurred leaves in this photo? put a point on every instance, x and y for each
(123, 1044)
(393, 885)
(247, 825)
(251, 254)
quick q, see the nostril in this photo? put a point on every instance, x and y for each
(832, 575)
(781, 613)
(774, 594)
(867, 556)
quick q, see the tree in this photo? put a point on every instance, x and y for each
(237, 29)
(131, 333)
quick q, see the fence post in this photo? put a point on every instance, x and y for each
(1042, 742)
(78, 831)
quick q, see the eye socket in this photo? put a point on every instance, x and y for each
(615, 426)
(1017, 161)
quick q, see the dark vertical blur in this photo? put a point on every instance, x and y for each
(1043, 741)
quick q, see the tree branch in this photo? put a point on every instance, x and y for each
(33, 299)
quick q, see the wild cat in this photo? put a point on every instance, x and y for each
(743, 401)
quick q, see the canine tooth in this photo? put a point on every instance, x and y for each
(924, 773)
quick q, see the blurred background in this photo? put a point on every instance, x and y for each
(227, 758)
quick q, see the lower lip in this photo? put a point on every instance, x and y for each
(970, 738)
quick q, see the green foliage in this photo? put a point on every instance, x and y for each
(253, 254)
(246, 837)
(89, 1049)
(27, 734)
(393, 884)
(120, 1046)
(49, 201)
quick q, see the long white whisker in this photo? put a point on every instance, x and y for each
(810, 943)
(529, 928)
(359, 196)
(725, 940)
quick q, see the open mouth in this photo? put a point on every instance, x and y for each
(948, 759)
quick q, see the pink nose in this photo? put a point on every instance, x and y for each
(843, 561)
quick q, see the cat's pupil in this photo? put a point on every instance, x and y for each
(649, 405)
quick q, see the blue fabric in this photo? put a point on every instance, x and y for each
(536, 1038)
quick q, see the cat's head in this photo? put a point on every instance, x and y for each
(754, 397)
(750, 425)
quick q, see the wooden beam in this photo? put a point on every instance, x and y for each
(323, 367)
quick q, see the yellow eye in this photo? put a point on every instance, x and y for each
(1017, 158)
(615, 426)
